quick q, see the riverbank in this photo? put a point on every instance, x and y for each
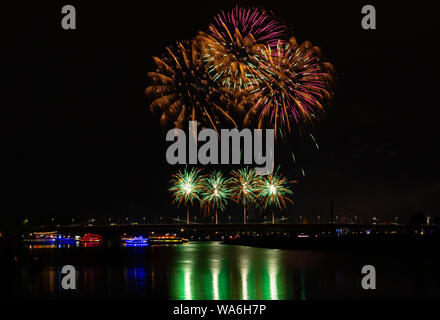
(388, 243)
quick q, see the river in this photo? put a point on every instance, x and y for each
(211, 270)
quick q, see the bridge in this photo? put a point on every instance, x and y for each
(218, 230)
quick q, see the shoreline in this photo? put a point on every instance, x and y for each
(400, 245)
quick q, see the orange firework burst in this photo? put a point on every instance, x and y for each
(181, 90)
(234, 72)
(242, 73)
(231, 48)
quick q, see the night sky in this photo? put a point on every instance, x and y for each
(80, 139)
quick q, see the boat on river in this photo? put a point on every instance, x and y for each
(41, 237)
(90, 238)
(168, 238)
(135, 240)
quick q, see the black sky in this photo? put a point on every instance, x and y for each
(81, 139)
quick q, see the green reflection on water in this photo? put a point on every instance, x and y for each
(303, 288)
(194, 271)
(207, 271)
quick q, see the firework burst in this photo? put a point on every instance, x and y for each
(231, 48)
(181, 90)
(295, 85)
(186, 187)
(273, 191)
(215, 193)
(232, 71)
(244, 187)
(244, 22)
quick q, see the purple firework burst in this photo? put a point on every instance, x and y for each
(259, 23)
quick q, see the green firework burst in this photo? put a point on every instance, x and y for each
(215, 192)
(186, 186)
(274, 191)
(244, 186)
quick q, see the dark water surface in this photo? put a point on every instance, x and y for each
(211, 270)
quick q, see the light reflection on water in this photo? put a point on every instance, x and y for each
(195, 271)
(76, 244)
